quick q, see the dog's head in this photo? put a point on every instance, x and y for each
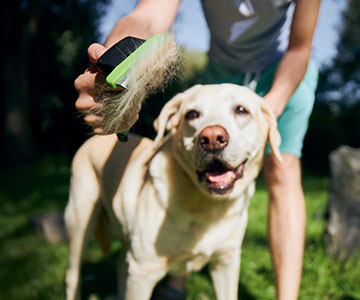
(219, 134)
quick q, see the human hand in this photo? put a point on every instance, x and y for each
(92, 90)
(87, 85)
(276, 103)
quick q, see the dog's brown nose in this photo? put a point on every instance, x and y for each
(213, 138)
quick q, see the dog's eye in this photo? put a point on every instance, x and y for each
(241, 110)
(192, 114)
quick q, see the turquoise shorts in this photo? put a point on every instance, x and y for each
(294, 121)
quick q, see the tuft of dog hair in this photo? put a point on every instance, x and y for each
(154, 70)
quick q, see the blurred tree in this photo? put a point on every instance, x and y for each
(341, 81)
(44, 50)
(336, 117)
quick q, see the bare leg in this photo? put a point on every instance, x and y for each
(287, 218)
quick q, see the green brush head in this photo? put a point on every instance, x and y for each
(117, 76)
(140, 67)
(109, 63)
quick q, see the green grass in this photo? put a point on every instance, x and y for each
(31, 268)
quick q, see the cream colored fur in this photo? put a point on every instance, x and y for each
(169, 221)
(154, 68)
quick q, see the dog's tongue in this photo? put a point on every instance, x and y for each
(224, 178)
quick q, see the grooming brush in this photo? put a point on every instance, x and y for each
(135, 68)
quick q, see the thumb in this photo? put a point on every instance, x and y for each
(95, 51)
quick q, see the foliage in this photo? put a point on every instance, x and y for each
(336, 117)
(330, 127)
(340, 82)
(31, 268)
(47, 49)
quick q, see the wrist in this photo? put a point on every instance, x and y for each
(276, 102)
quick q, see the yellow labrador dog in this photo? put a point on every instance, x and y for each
(178, 202)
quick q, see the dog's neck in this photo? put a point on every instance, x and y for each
(177, 191)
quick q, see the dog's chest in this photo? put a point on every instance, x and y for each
(175, 224)
(200, 243)
(193, 228)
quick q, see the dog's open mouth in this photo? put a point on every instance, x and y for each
(220, 178)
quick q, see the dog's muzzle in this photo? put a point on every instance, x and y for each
(213, 138)
(220, 178)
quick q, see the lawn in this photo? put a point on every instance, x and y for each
(32, 268)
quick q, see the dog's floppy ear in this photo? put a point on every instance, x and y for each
(273, 133)
(169, 116)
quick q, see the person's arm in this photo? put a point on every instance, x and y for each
(293, 66)
(149, 18)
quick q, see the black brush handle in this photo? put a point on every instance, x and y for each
(117, 53)
(113, 57)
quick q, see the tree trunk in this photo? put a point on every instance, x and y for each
(20, 26)
(343, 227)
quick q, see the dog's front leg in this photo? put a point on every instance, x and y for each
(224, 270)
(122, 271)
(78, 236)
(141, 280)
(80, 216)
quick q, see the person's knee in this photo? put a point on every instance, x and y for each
(284, 182)
(284, 174)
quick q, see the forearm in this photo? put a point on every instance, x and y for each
(129, 26)
(289, 75)
(149, 18)
(293, 66)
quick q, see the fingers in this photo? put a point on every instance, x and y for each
(85, 85)
(94, 121)
(84, 82)
(89, 85)
(85, 102)
(95, 51)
